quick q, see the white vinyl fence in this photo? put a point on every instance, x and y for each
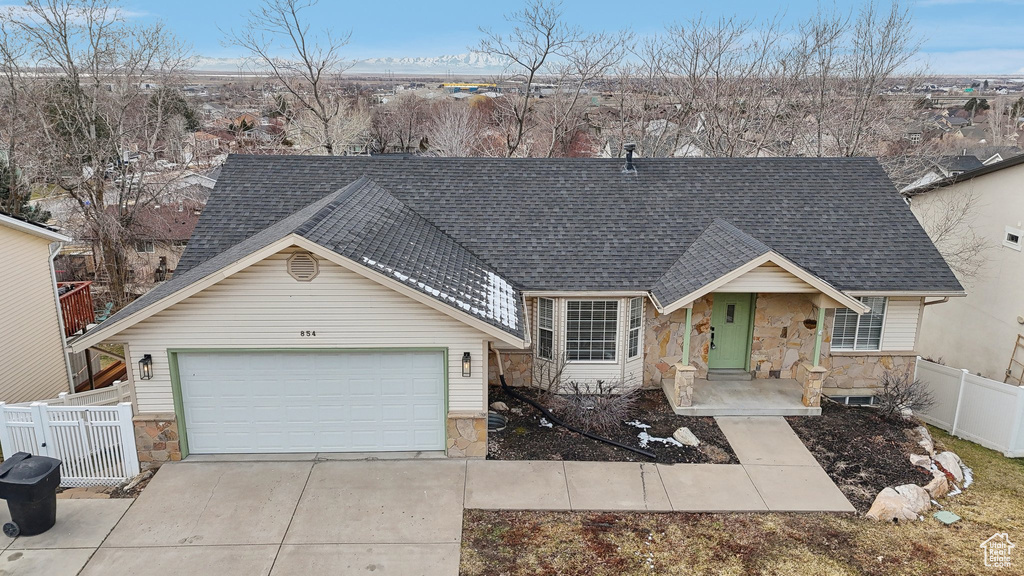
(983, 411)
(96, 444)
(109, 396)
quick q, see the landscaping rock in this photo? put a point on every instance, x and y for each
(685, 437)
(499, 406)
(891, 505)
(919, 498)
(926, 441)
(938, 487)
(921, 460)
(950, 462)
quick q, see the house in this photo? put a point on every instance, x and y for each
(942, 167)
(360, 303)
(33, 365)
(159, 234)
(983, 331)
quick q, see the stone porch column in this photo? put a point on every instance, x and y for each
(681, 391)
(467, 435)
(811, 378)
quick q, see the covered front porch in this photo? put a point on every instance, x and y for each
(747, 342)
(752, 397)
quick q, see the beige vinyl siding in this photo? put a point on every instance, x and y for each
(32, 364)
(263, 307)
(767, 278)
(899, 333)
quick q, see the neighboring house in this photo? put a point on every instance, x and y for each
(943, 167)
(351, 303)
(980, 332)
(33, 364)
(160, 233)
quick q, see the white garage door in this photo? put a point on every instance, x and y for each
(312, 401)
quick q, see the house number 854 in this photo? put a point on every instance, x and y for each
(307, 332)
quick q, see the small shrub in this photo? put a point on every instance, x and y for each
(598, 407)
(898, 392)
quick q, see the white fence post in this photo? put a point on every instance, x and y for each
(40, 419)
(5, 433)
(1011, 442)
(959, 401)
(127, 427)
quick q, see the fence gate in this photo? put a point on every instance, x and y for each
(96, 444)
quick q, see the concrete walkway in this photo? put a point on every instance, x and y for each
(282, 516)
(776, 473)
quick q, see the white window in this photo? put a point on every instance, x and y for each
(145, 247)
(591, 329)
(546, 328)
(1011, 238)
(851, 331)
(636, 312)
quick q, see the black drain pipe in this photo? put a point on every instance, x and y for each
(554, 419)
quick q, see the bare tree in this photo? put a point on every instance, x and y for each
(309, 73)
(580, 66)
(538, 36)
(97, 130)
(882, 43)
(453, 130)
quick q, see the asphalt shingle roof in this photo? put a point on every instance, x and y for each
(718, 250)
(369, 226)
(583, 224)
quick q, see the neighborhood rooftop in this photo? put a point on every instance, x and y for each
(583, 224)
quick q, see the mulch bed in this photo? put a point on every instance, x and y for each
(525, 439)
(862, 451)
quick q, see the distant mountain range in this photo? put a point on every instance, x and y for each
(470, 63)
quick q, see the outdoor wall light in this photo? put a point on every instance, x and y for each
(146, 367)
(467, 365)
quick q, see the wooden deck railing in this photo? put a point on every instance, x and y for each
(76, 307)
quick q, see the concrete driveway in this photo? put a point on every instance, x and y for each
(380, 517)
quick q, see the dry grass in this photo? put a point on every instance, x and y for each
(529, 543)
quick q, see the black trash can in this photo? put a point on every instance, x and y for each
(29, 484)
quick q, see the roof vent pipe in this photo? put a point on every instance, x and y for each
(629, 147)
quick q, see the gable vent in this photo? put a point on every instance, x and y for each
(303, 266)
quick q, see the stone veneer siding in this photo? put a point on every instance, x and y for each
(518, 368)
(467, 436)
(781, 341)
(156, 439)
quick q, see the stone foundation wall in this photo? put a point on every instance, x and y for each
(518, 368)
(156, 439)
(467, 436)
(862, 372)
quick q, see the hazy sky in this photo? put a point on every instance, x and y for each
(960, 36)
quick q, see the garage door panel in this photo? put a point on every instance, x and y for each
(312, 401)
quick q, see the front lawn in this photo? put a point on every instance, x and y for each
(528, 543)
(525, 438)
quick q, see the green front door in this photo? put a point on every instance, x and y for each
(730, 330)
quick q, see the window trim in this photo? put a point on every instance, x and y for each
(630, 329)
(145, 243)
(541, 328)
(854, 349)
(618, 330)
(1010, 230)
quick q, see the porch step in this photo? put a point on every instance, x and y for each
(728, 374)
